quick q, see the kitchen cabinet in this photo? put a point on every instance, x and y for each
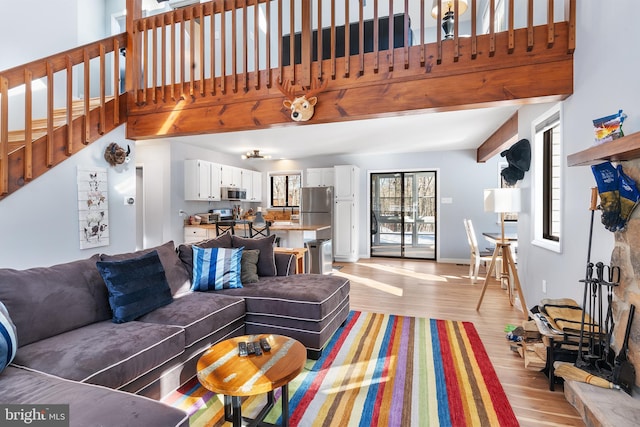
(346, 181)
(252, 182)
(201, 180)
(346, 228)
(197, 234)
(319, 177)
(230, 176)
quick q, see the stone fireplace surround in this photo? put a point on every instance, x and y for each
(615, 408)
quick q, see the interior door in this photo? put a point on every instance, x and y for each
(403, 213)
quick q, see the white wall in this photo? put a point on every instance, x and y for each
(603, 84)
(39, 223)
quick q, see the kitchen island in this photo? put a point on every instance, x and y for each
(292, 234)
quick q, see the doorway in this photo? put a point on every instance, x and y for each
(403, 214)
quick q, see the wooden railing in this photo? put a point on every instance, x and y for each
(38, 144)
(193, 51)
(220, 59)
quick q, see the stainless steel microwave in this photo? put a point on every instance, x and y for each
(233, 193)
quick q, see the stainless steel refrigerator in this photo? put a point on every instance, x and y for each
(316, 208)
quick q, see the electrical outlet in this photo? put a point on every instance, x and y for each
(544, 286)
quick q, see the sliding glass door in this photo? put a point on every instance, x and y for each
(403, 214)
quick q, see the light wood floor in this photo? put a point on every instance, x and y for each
(444, 291)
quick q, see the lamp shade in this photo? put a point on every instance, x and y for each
(448, 4)
(502, 200)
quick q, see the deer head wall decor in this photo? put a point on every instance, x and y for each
(302, 107)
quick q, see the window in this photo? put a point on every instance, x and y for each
(548, 180)
(285, 189)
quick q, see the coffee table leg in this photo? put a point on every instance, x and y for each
(285, 405)
(236, 403)
(227, 408)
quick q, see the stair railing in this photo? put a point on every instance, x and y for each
(69, 80)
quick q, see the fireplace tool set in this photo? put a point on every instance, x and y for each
(594, 347)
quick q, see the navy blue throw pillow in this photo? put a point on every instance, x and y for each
(136, 286)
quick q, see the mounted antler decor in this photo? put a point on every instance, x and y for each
(302, 107)
(116, 155)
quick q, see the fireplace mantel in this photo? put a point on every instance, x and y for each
(625, 148)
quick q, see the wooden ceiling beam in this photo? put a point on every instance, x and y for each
(500, 140)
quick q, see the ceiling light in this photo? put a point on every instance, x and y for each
(255, 154)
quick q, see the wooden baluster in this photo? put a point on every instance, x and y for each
(319, 55)
(376, 37)
(570, 15)
(347, 40)
(256, 45)
(234, 48)
(456, 40)
(492, 29)
(245, 43)
(305, 43)
(292, 38)
(87, 97)
(145, 62)
(439, 32)
(50, 114)
(223, 49)
(551, 26)
(391, 53)
(182, 60)
(361, 37)
(4, 135)
(212, 43)
(173, 56)
(268, 42)
(163, 60)
(192, 52)
(474, 30)
(103, 77)
(280, 47)
(333, 39)
(511, 30)
(530, 26)
(202, 79)
(406, 34)
(154, 61)
(423, 47)
(69, 66)
(28, 126)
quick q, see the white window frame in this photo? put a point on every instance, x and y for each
(538, 127)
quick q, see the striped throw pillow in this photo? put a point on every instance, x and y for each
(8, 338)
(216, 268)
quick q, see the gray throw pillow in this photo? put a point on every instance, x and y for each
(266, 259)
(249, 266)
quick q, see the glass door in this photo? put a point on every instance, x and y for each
(403, 212)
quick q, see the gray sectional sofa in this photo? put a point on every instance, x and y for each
(71, 351)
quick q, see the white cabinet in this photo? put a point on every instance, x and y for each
(252, 182)
(346, 228)
(230, 176)
(197, 234)
(319, 177)
(346, 181)
(201, 180)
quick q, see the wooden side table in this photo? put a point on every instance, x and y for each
(222, 370)
(299, 253)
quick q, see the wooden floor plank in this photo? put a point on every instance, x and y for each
(444, 291)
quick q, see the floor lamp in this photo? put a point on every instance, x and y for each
(504, 200)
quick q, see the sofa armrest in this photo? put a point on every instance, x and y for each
(285, 264)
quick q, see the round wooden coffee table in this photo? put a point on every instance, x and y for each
(222, 370)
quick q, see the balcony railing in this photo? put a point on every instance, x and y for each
(222, 60)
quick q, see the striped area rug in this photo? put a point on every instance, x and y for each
(382, 370)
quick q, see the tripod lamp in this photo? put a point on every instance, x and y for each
(502, 201)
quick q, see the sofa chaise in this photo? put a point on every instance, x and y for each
(71, 350)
